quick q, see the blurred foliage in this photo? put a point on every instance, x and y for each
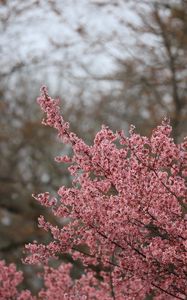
(153, 81)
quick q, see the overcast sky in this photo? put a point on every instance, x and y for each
(73, 37)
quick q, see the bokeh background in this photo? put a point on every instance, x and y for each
(113, 62)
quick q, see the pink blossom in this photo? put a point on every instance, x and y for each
(127, 212)
(128, 205)
(9, 282)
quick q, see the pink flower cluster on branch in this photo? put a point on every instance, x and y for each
(127, 208)
(128, 204)
(9, 282)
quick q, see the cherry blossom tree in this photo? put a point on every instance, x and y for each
(126, 212)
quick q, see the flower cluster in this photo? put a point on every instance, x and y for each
(127, 208)
(9, 281)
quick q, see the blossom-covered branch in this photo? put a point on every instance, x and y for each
(128, 205)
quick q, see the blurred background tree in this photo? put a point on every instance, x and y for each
(158, 68)
(153, 78)
(112, 62)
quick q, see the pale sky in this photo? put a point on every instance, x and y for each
(73, 37)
